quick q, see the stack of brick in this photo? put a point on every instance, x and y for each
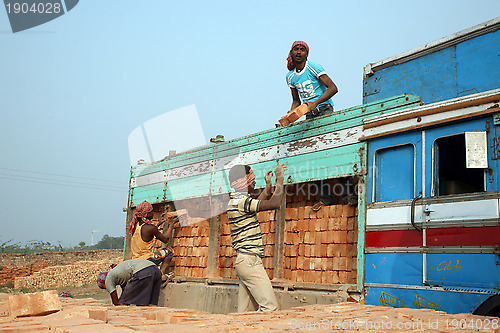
(267, 221)
(24, 264)
(191, 250)
(77, 274)
(8, 274)
(226, 252)
(320, 247)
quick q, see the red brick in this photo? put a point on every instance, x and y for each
(352, 237)
(312, 238)
(317, 225)
(351, 211)
(352, 223)
(343, 277)
(340, 263)
(300, 263)
(34, 304)
(307, 212)
(307, 250)
(324, 250)
(340, 237)
(307, 264)
(294, 275)
(324, 237)
(314, 250)
(301, 249)
(301, 213)
(307, 237)
(294, 250)
(300, 276)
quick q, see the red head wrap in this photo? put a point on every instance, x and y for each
(289, 60)
(241, 184)
(141, 211)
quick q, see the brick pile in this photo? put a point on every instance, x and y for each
(320, 247)
(267, 221)
(77, 274)
(89, 315)
(191, 249)
(226, 252)
(8, 274)
(24, 264)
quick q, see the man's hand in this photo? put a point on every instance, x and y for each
(175, 224)
(268, 178)
(280, 172)
(311, 106)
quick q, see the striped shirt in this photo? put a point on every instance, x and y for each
(245, 229)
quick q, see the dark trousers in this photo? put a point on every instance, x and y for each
(143, 288)
(320, 111)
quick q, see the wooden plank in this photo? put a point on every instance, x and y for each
(331, 163)
(214, 240)
(337, 121)
(279, 248)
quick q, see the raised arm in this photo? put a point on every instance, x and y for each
(275, 201)
(268, 189)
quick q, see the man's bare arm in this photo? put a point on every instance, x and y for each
(295, 98)
(267, 190)
(331, 89)
(275, 201)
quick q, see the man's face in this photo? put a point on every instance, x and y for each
(299, 54)
(251, 186)
(150, 215)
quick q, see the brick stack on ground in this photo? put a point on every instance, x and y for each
(89, 315)
(77, 274)
(14, 265)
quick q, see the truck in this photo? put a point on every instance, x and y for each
(417, 162)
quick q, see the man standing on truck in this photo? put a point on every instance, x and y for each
(255, 290)
(144, 233)
(310, 81)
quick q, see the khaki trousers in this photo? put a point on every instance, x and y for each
(255, 292)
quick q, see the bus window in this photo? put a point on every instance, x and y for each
(450, 168)
(395, 173)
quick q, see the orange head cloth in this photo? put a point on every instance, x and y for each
(141, 211)
(241, 184)
(289, 61)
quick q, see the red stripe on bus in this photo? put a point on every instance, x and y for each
(477, 236)
(393, 238)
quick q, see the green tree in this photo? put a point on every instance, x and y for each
(108, 242)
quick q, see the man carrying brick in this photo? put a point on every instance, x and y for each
(310, 81)
(255, 289)
(144, 233)
(140, 280)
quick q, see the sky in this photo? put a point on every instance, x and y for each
(73, 89)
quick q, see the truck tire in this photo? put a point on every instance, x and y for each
(490, 307)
